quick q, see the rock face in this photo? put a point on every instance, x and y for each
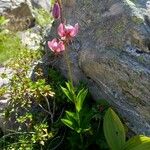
(21, 13)
(112, 54)
(11, 4)
(31, 39)
(45, 4)
(5, 98)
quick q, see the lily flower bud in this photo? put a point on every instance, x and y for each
(56, 11)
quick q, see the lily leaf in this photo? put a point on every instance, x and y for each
(71, 115)
(68, 123)
(67, 93)
(113, 130)
(80, 99)
(139, 142)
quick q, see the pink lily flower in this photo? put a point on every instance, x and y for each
(56, 45)
(68, 31)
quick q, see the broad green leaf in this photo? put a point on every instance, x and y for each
(71, 115)
(68, 84)
(71, 120)
(80, 99)
(139, 142)
(143, 146)
(113, 130)
(67, 93)
(68, 123)
(70, 89)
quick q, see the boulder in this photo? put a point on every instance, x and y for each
(19, 13)
(31, 38)
(11, 4)
(112, 54)
(45, 4)
(8, 73)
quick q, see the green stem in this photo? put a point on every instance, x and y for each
(69, 68)
(78, 117)
(81, 138)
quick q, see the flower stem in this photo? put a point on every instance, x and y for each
(69, 68)
(81, 138)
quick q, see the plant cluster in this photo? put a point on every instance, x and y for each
(33, 108)
(9, 43)
(54, 114)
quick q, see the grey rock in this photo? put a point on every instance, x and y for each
(8, 4)
(112, 54)
(19, 13)
(24, 14)
(45, 4)
(12, 4)
(6, 97)
(8, 73)
(31, 38)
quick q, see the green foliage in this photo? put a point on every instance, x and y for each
(115, 134)
(52, 2)
(3, 20)
(114, 130)
(75, 120)
(78, 120)
(41, 133)
(43, 18)
(138, 142)
(68, 92)
(24, 93)
(74, 96)
(2, 91)
(9, 46)
(80, 99)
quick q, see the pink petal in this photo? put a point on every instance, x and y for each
(74, 31)
(56, 45)
(61, 30)
(58, 50)
(51, 44)
(62, 46)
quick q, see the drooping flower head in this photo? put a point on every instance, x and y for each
(56, 45)
(56, 11)
(67, 31)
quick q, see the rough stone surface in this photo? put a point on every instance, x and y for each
(112, 54)
(45, 4)
(31, 38)
(11, 4)
(4, 99)
(19, 13)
